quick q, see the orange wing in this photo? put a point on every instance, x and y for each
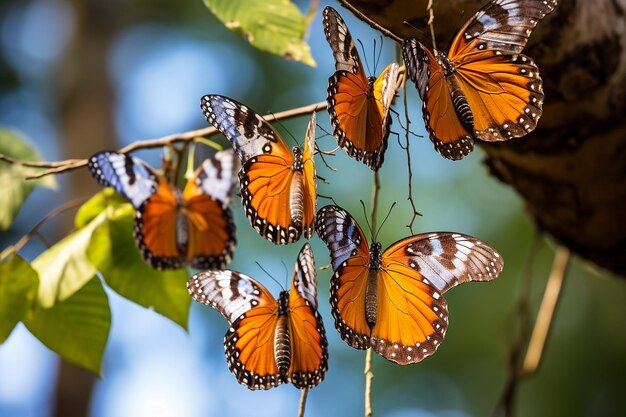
(504, 92)
(350, 260)
(416, 271)
(309, 347)
(210, 229)
(249, 347)
(412, 316)
(156, 228)
(450, 138)
(309, 177)
(252, 313)
(497, 90)
(155, 203)
(358, 105)
(277, 196)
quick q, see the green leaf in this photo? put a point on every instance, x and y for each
(97, 204)
(113, 252)
(64, 268)
(76, 328)
(14, 189)
(18, 287)
(275, 26)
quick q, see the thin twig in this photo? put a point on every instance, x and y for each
(506, 404)
(546, 312)
(408, 162)
(369, 375)
(370, 22)
(72, 164)
(35, 230)
(431, 20)
(303, 395)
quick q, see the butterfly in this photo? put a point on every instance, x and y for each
(392, 301)
(277, 186)
(358, 105)
(270, 341)
(483, 88)
(172, 228)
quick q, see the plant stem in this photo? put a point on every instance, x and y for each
(369, 375)
(35, 230)
(545, 316)
(303, 395)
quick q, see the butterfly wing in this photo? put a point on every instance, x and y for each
(155, 203)
(209, 228)
(350, 258)
(129, 176)
(503, 87)
(501, 25)
(309, 347)
(416, 271)
(251, 312)
(266, 176)
(159, 229)
(358, 107)
(450, 138)
(446, 259)
(309, 176)
(411, 315)
(340, 41)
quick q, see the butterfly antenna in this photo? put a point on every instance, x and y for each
(270, 275)
(286, 273)
(284, 128)
(383, 222)
(422, 36)
(380, 52)
(365, 216)
(367, 65)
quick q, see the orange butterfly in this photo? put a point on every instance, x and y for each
(269, 341)
(358, 105)
(277, 187)
(173, 228)
(483, 88)
(392, 301)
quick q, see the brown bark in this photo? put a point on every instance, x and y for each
(86, 103)
(571, 171)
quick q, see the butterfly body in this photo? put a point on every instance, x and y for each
(483, 87)
(175, 228)
(392, 300)
(270, 341)
(278, 187)
(358, 105)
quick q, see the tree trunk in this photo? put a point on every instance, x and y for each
(571, 171)
(86, 102)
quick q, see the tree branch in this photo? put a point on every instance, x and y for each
(370, 22)
(545, 316)
(302, 406)
(72, 164)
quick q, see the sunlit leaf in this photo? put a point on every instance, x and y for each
(114, 253)
(76, 328)
(275, 26)
(64, 268)
(105, 199)
(14, 189)
(18, 287)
